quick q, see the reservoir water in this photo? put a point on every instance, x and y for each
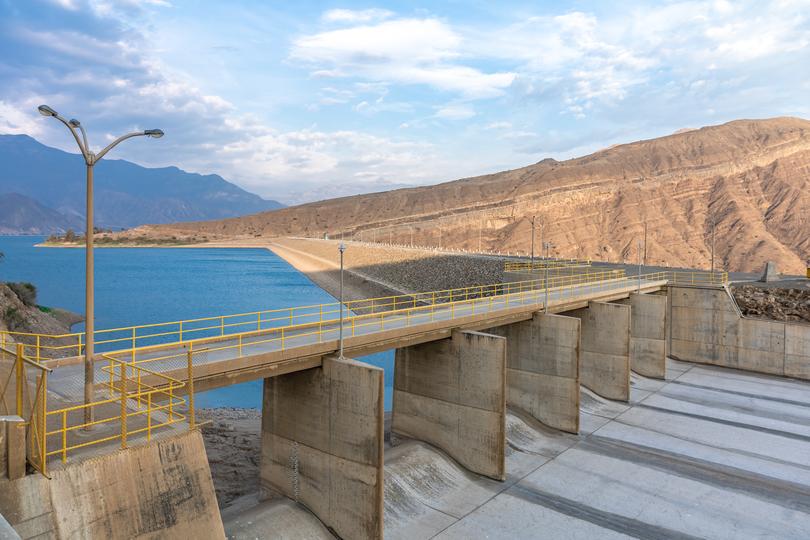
(148, 285)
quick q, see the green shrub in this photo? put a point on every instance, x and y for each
(26, 292)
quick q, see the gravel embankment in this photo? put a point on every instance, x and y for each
(405, 269)
(789, 304)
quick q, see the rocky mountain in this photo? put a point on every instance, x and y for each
(23, 215)
(749, 180)
(126, 195)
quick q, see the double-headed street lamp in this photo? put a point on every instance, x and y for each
(91, 159)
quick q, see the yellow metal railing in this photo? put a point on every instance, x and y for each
(41, 346)
(133, 407)
(542, 264)
(28, 403)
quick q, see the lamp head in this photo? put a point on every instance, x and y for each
(154, 133)
(74, 123)
(342, 247)
(44, 110)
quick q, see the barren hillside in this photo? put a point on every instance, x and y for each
(751, 177)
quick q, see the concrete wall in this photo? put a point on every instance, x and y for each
(542, 369)
(158, 490)
(648, 323)
(452, 394)
(322, 443)
(707, 327)
(604, 361)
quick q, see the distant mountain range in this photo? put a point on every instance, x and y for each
(42, 190)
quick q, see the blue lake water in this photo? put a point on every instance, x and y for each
(148, 285)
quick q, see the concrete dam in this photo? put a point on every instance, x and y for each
(591, 404)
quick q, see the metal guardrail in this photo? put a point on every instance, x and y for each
(541, 264)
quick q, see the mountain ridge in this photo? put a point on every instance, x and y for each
(749, 177)
(126, 194)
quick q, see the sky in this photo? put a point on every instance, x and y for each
(301, 101)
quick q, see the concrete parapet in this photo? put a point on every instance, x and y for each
(648, 323)
(451, 393)
(160, 489)
(542, 369)
(322, 443)
(604, 364)
(707, 327)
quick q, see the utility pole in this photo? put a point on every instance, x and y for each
(531, 265)
(645, 243)
(411, 236)
(713, 225)
(480, 231)
(639, 266)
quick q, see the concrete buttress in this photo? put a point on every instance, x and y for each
(322, 443)
(542, 369)
(451, 393)
(604, 365)
(648, 321)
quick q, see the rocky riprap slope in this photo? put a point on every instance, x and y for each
(789, 304)
(750, 177)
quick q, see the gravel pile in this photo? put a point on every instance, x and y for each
(411, 270)
(772, 303)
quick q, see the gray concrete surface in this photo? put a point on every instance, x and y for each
(604, 359)
(542, 369)
(452, 393)
(322, 443)
(708, 453)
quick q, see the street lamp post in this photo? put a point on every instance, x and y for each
(341, 248)
(90, 160)
(531, 266)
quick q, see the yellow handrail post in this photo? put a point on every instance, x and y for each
(133, 344)
(64, 436)
(181, 330)
(138, 387)
(352, 326)
(80, 345)
(282, 338)
(291, 316)
(258, 321)
(149, 416)
(190, 387)
(123, 405)
(44, 415)
(240, 345)
(38, 355)
(222, 325)
(112, 375)
(19, 380)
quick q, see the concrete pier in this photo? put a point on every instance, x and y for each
(707, 327)
(159, 489)
(604, 365)
(648, 346)
(542, 369)
(451, 393)
(322, 443)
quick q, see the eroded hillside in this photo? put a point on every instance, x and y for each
(750, 177)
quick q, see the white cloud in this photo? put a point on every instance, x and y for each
(356, 16)
(402, 51)
(15, 121)
(455, 111)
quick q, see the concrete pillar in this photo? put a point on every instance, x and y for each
(12, 447)
(452, 394)
(604, 361)
(648, 346)
(322, 443)
(542, 369)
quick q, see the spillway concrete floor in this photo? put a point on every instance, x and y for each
(708, 453)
